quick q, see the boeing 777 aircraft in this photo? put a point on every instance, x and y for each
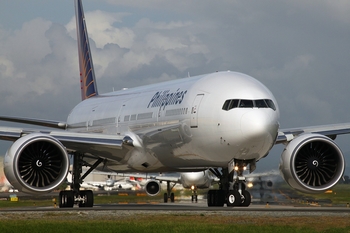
(188, 180)
(226, 121)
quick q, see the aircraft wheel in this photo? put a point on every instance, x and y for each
(233, 198)
(66, 199)
(83, 195)
(165, 197)
(210, 198)
(90, 198)
(172, 197)
(247, 198)
(215, 198)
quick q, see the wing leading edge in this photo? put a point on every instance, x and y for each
(33, 121)
(98, 145)
(286, 135)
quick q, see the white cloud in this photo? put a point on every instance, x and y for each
(102, 29)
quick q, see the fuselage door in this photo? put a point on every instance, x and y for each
(195, 109)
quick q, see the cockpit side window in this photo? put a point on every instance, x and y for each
(229, 104)
(236, 103)
(260, 104)
(271, 104)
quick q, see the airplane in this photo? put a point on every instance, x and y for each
(202, 180)
(262, 182)
(108, 185)
(188, 180)
(226, 121)
(5, 186)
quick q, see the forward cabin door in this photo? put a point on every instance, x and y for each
(195, 109)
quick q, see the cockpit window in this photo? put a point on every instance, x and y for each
(246, 104)
(229, 104)
(271, 104)
(260, 104)
(236, 103)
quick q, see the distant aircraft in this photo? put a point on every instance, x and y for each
(226, 121)
(5, 186)
(188, 180)
(109, 184)
(263, 182)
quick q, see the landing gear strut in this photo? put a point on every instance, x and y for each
(232, 191)
(169, 194)
(194, 194)
(84, 198)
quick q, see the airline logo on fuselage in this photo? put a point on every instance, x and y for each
(165, 98)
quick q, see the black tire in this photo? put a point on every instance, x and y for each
(83, 195)
(66, 199)
(165, 197)
(172, 197)
(233, 198)
(210, 198)
(89, 198)
(247, 198)
(61, 200)
(215, 198)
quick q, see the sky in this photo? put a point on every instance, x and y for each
(298, 49)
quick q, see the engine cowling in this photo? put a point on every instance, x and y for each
(36, 163)
(152, 188)
(312, 163)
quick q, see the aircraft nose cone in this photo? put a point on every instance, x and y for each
(258, 125)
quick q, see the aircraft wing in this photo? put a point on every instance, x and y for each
(286, 135)
(174, 179)
(96, 144)
(32, 121)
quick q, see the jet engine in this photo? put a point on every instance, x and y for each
(312, 163)
(36, 163)
(152, 188)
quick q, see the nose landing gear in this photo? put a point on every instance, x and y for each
(232, 190)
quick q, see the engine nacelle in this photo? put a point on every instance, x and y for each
(312, 163)
(152, 188)
(36, 163)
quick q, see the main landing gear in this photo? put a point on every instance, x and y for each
(231, 192)
(194, 194)
(83, 198)
(169, 195)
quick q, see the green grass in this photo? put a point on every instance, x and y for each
(52, 200)
(116, 221)
(170, 223)
(339, 195)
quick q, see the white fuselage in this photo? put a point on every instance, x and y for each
(194, 180)
(181, 124)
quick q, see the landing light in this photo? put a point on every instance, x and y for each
(192, 187)
(237, 168)
(250, 185)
